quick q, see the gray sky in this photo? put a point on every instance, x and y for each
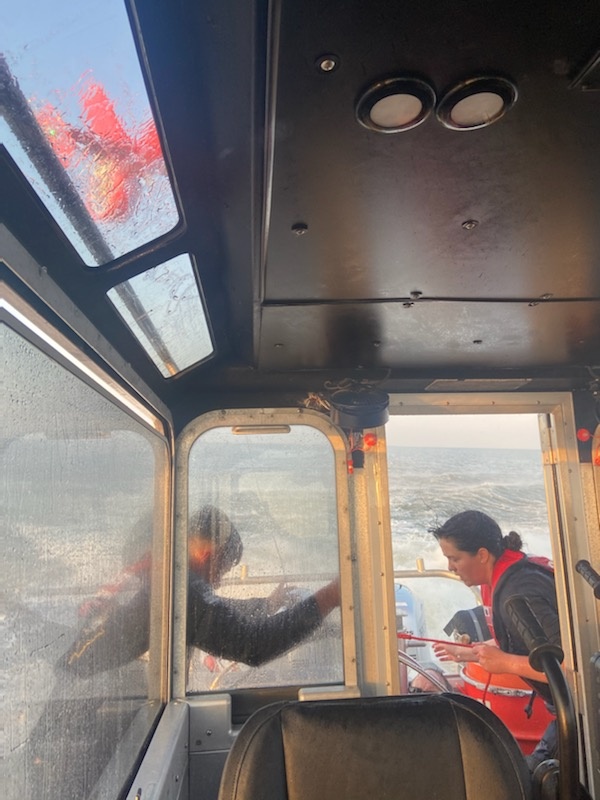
(506, 431)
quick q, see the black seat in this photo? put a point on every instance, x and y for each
(420, 747)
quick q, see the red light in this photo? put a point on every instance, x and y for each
(584, 435)
(369, 440)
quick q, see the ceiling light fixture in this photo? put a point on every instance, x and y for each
(395, 104)
(476, 103)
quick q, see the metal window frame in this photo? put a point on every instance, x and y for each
(153, 418)
(260, 418)
(150, 409)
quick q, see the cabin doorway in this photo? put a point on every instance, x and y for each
(515, 458)
(440, 466)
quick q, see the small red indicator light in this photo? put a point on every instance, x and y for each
(584, 435)
(369, 440)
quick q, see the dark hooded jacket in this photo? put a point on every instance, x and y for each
(535, 582)
(238, 630)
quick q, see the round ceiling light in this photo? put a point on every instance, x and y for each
(476, 103)
(395, 104)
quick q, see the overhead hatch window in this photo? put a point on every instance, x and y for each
(162, 307)
(77, 120)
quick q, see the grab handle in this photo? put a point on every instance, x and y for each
(585, 569)
(532, 633)
(547, 657)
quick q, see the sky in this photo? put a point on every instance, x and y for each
(505, 431)
(52, 47)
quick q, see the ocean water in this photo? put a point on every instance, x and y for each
(428, 485)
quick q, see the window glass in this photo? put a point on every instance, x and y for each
(81, 540)
(76, 119)
(159, 305)
(272, 501)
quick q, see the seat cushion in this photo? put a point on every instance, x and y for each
(431, 746)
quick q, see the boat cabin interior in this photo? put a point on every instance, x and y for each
(256, 258)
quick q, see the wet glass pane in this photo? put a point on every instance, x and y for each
(164, 311)
(79, 549)
(76, 119)
(262, 541)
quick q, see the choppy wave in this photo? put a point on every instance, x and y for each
(428, 485)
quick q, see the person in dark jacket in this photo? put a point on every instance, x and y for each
(481, 556)
(252, 630)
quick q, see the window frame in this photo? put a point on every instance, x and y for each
(264, 418)
(69, 353)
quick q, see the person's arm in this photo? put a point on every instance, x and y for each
(454, 652)
(284, 596)
(328, 597)
(495, 660)
(223, 627)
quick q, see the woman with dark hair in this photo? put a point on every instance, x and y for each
(481, 556)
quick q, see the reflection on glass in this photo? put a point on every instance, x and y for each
(76, 118)
(78, 495)
(164, 311)
(267, 505)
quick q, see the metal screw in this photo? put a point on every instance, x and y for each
(299, 228)
(408, 305)
(469, 224)
(328, 63)
(415, 294)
